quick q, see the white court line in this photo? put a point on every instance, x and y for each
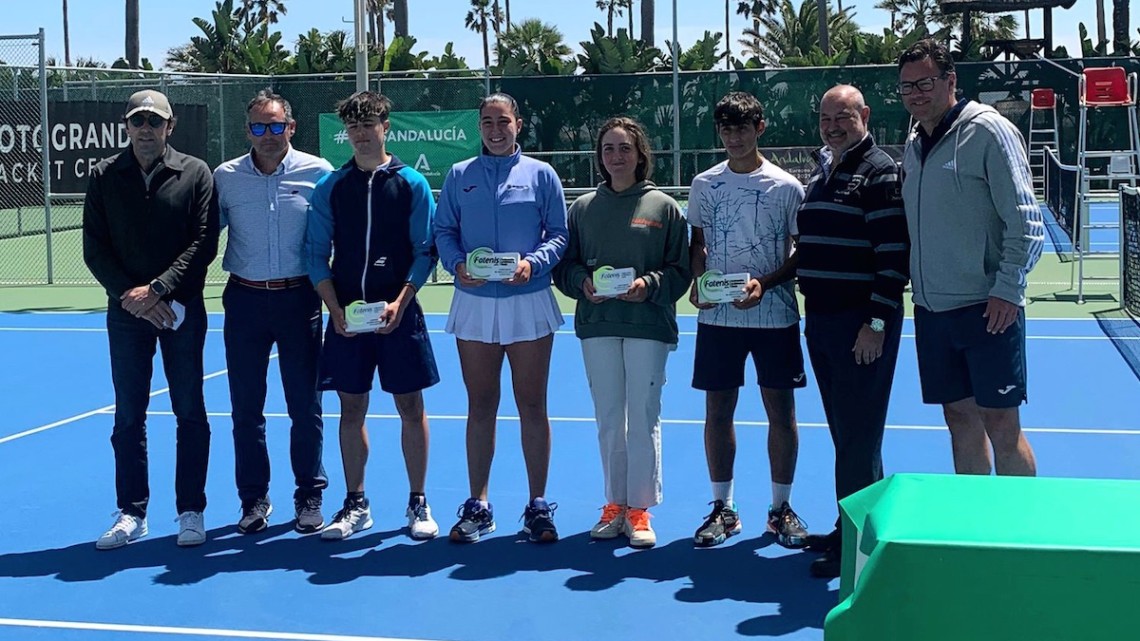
(570, 332)
(108, 409)
(102, 330)
(685, 421)
(198, 632)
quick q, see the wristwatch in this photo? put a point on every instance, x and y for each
(159, 288)
(877, 325)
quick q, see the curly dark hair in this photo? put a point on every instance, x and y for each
(362, 105)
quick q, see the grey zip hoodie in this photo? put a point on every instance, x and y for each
(975, 226)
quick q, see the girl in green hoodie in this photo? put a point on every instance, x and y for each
(626, 223)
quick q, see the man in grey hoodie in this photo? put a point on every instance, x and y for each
(975, 232)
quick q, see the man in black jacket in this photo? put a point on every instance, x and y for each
(854, 251)
(150, 230)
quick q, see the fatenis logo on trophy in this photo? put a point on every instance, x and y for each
(483, 263)
(717, 287)
(364, 317)
(611, 281)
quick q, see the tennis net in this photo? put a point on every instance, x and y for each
(1130, 249)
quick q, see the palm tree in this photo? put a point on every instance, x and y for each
(400, 18)
(610, 7)
(261, 13)
(893, 7)
(648, 9)
(534, 48)
(476, 21)
(793, 32)
(1101, 34)
(496, 21)
(1120, 39)
(918, 15)
(727, 40)
(754, 9)
(378, 12)
(66, 38)
(507, 6)
(824, 42)
(132, 34)
(629, 12)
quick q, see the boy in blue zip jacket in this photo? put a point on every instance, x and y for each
(376, 212)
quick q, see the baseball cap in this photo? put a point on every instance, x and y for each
(149, 100)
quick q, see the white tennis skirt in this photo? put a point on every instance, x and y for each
(502, 321)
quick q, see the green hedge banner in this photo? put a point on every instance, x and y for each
(429, 141)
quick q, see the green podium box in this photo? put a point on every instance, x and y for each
(986, 558)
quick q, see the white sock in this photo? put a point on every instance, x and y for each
(722, 491)
(781, 494)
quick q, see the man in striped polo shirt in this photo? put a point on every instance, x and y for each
(264, 199)
(853, 253)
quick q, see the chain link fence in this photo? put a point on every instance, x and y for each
(24, 216)
(561, 116)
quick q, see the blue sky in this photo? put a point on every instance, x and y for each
(97, 25)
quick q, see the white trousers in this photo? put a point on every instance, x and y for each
(626, 376)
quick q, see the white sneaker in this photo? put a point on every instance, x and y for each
(352, 518)
(126, 528)
(638, 529)
(420, 524)
(191, 529)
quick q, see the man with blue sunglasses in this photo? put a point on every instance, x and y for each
(263, 197)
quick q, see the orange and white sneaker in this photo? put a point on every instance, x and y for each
(611, 524)
(637, 528)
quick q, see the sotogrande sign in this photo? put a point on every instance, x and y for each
(429, 141)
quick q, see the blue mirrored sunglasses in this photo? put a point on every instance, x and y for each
(259, 128)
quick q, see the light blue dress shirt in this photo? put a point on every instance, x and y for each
(266, 214)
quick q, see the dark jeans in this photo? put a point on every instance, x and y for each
(132, 341)
(855, 397)
(255, 320)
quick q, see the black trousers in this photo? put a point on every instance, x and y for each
(132, 342)
(855, 397)
(255, 320)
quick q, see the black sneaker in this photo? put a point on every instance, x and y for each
(255, 516)
(307, 512)
(474, 521)
(538, 521)
(828, 565)
(789, 528)
(721, 523)
(821, 542)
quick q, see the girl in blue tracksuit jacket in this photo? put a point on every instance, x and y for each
(506, 202)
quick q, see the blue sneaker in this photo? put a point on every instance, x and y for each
(474, 521)
(538, 521)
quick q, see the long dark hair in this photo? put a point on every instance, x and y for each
(640, 143)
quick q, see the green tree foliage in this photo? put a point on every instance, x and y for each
(792, 33)
(330, 52)
(229, 44)
(534, 48)
(619, 54)
(702, 56)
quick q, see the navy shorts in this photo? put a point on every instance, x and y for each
(722, 351)
(404, 358)
(958, 358)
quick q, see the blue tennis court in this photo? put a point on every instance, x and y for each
(1100, 240)
(57, 473)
